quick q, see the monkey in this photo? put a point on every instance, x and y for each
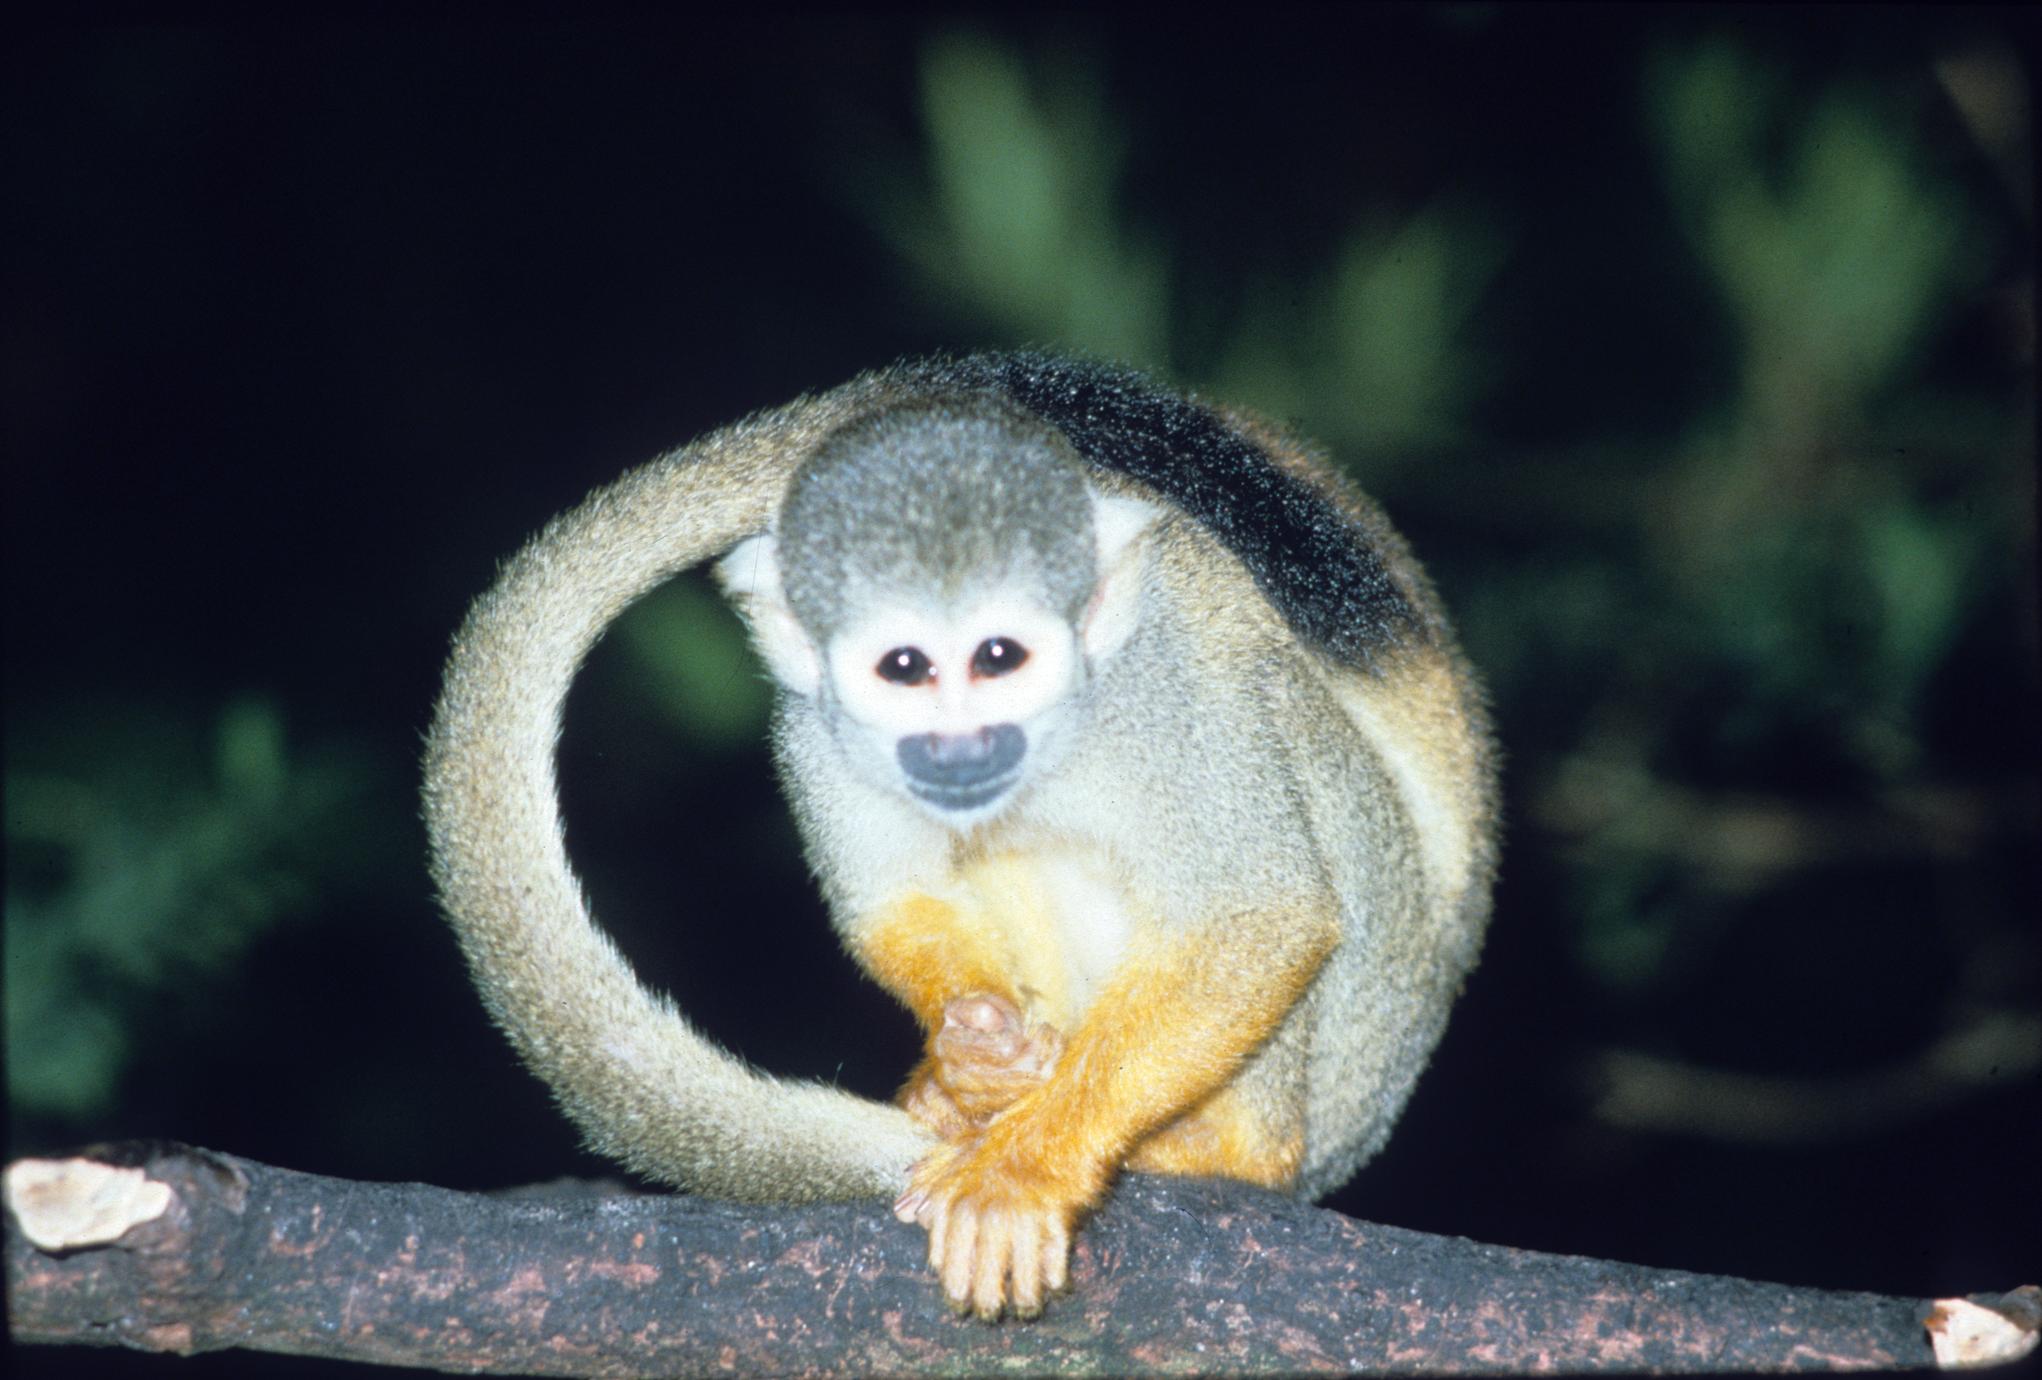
(1132, 751)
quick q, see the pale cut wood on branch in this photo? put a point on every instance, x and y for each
(201, 1251)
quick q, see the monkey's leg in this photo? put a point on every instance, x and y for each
(1173, 1027)
(1231, 1135)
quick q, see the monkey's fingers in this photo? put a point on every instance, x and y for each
(926, 1100)
(999, 1225)
(953, 1255)
(987, 1056)
(1005, 1257)
(983, 1029)
(981, 1250)
(986, 1030)
(1030, 1235)
(919, 1201)
(993, 1257)
(976, 1250)
(988, 1013)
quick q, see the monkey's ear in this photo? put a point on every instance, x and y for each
(750, 575)
(1118, 525)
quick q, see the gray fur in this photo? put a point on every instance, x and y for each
(642, 1085)
(1234, 771)
(947, 495)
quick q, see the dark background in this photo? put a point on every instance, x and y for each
(1691, 347)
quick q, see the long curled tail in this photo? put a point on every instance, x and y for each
(644, 1086)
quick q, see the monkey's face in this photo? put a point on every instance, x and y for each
(953, 705)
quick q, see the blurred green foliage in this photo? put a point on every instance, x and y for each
(694, 665)
(1018, 216)
(144, 857)
(1018, 219)
(1760, 595)
(1834, 241)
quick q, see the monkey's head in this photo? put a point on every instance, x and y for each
(941, 582)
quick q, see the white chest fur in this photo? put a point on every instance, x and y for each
(1061, 916)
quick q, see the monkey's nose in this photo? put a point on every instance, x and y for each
(961, 751)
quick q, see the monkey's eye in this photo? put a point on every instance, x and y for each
(996, 656)
(905, 666)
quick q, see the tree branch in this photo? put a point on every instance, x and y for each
(168, 1248)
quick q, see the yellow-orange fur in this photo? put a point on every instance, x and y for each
(1170, 1029)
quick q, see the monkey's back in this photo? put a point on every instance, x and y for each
(1321, 554)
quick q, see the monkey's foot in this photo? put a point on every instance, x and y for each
(999, 1226)
(985, 1056)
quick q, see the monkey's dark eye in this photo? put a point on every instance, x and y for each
(906, 666)
(996, 656)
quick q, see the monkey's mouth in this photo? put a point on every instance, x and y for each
(963, 798)
(963, 771)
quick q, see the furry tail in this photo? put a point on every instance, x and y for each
(644, 1086)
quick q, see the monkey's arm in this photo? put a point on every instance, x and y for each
(1172, 1028)
(925, 952)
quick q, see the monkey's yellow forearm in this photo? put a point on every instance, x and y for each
(920, 949)
(1164, 1039)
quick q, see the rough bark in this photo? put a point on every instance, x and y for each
(1171, 1277)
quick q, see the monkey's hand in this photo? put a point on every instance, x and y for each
(999, 1210)
(984, 1057)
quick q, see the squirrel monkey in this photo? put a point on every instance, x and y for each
(1131, 748)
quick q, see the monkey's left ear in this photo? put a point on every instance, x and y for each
(1118, 524)
(750, 575)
